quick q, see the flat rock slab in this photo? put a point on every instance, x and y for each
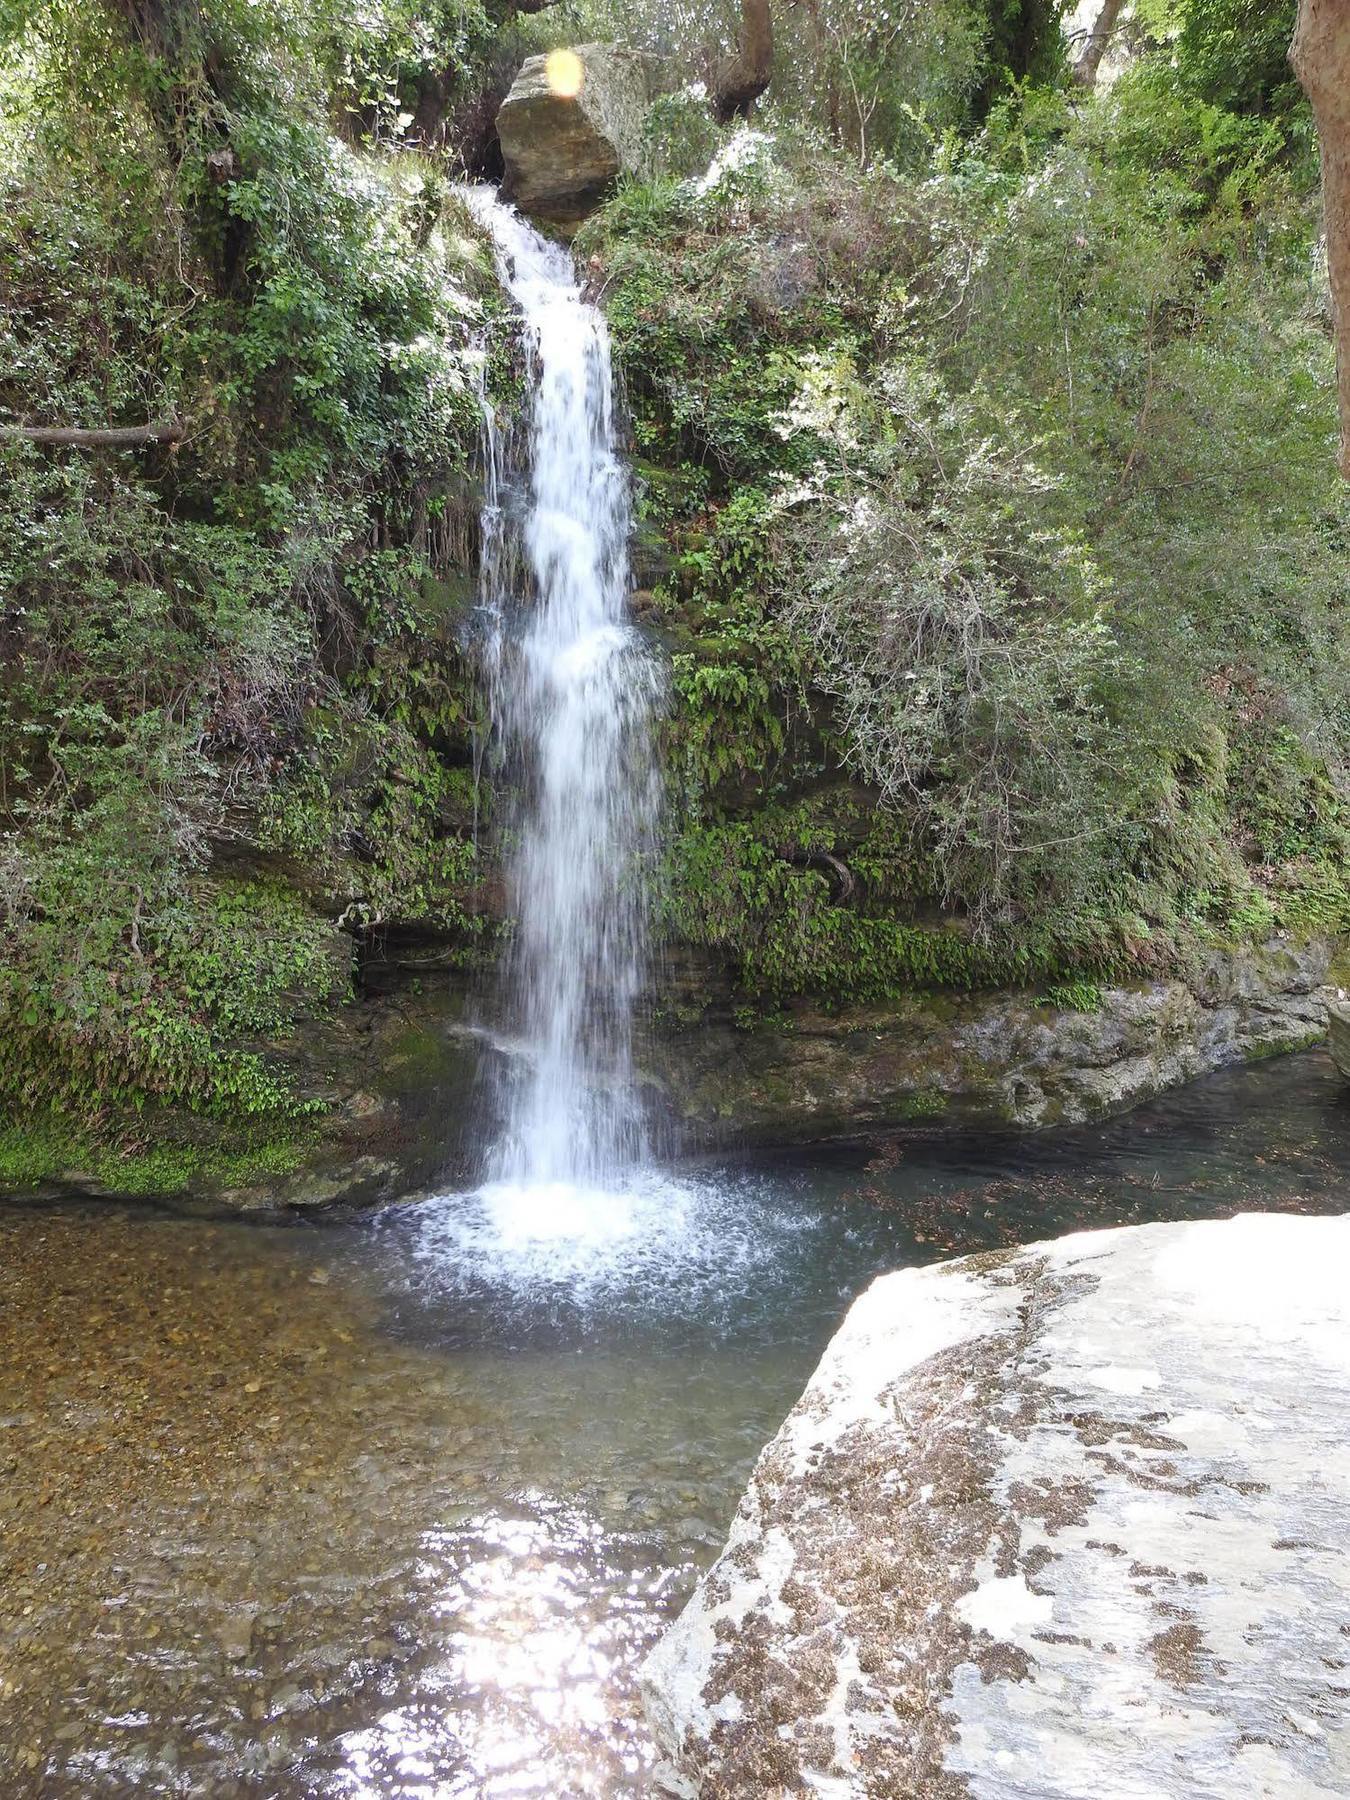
(1072, 1520)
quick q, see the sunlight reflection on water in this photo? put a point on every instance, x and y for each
(544, 1621)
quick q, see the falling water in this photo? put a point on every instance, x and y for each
(574, 693)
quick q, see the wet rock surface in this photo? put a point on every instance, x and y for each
(1012, 1058)
(1072, 1520)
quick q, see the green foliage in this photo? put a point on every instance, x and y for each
(1074, 996)
(146, 1153)
(876, 77)
(163, 1006)
(386, 59)
(731, 687)
(1030, 667)
(255, 637)
(873, 77)
(971, 660)
(679, 138)
(1235, 53)
(1023, 44)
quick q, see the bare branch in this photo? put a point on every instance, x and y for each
(107, 437)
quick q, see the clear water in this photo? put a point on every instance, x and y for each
(574, 689)
(393, 1506)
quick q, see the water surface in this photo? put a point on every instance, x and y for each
(393, 1505)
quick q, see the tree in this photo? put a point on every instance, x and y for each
(742, 77)
(1320, 54)
(1085, 69)
(1024, 41)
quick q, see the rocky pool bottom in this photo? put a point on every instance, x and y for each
(394, 1505)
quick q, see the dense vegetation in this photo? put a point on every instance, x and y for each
(1008, 552)
(232, 678)
(985, 435)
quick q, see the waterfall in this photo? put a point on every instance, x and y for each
(574, 690)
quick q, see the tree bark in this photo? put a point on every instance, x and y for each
(108, 437)
(1320, 54)
(1085, 69)
(742, 78)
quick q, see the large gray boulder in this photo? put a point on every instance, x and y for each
(571, 124)
(1067, 1523)
(1338, 1034)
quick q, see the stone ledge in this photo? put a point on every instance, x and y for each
(978, 1059)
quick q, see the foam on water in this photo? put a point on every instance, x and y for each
(657, 1244)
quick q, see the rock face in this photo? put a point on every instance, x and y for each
(981, 1058)
(571, 123)
(1338, 1034)
(1071, 1521)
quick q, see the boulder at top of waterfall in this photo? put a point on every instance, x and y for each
(1070, 1521)
(571, 123)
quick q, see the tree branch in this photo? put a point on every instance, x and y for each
(108, 437)
(1085, 69)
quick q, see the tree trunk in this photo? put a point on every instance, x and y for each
(742, 78)
(107, 437)
(1320, 54)
(1085, 69)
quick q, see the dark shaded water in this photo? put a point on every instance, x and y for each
(394, 1506)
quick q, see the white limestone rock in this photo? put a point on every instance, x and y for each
(1068, 1521)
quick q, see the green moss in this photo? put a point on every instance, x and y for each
(923, 1103)
(1304, 1040)
(1073, 996)
(46, 1150)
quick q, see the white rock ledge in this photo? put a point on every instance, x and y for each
(1072, 1520)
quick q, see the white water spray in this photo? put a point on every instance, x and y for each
(574, 693)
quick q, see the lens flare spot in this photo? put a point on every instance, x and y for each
(564, 73)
